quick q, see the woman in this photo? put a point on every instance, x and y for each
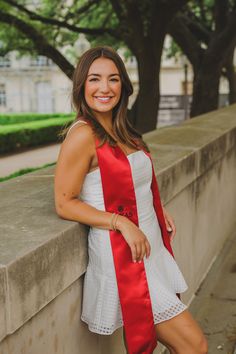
(103, 178)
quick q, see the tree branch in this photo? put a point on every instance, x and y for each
(185, 39)
(106, 18)
(134, 16)
(176, 5)
(83, 9)
(162, 13)
(118, 9)
(40, 43)
(202, 10)
(198, 30)
(87, 7)
(221, 10)
(128, 27)
(62, 24)
(226, 39)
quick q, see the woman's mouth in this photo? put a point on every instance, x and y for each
(103, 99)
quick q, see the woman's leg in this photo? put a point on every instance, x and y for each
(182, 334)
(166, 344)
(124, 337)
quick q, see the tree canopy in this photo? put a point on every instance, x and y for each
(141, 25)
(204, 30)
(206, 33)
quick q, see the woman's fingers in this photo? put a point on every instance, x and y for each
(142, 249)
(170, 224)
(148, 249)
(139, 251)
(134, 252)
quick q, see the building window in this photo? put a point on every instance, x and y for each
(41, 60)
(44, 97)
(3, 99)
(5, 61)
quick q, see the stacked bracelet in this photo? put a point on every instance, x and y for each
(113, 221)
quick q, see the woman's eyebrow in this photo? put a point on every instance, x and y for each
(93, 74)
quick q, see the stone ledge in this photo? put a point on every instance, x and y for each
(3, 302)
(41, 254)
(182, 153)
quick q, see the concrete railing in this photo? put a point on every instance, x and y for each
(43, 258)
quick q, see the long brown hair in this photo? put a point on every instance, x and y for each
(122, 128)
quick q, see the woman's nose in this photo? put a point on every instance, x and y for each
(104, 87)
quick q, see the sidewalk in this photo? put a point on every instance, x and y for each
(214, 306)
(34, 157)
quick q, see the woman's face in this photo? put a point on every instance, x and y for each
(103, 86)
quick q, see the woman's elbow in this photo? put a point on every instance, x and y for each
(60, 210)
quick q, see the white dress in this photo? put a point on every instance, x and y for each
(101, 306)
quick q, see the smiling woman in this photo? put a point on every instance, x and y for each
(101, 77)
(105, 179)
(102, 86)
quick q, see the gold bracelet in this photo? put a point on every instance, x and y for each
(111, 223)
(115, 221)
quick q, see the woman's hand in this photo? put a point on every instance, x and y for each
(169, 224)
(135, 238)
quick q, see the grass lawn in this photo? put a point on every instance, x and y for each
(23, 171)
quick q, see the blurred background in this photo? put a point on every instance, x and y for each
(180, 56)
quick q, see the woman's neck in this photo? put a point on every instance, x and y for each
(105, 119)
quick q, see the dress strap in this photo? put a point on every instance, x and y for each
(78, 121)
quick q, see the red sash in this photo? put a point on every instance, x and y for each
(119, 197)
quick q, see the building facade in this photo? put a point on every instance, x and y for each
(33, 85)
(30, 84)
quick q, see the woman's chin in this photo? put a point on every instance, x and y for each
(103, 109)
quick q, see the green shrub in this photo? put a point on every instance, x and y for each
(16, 136)
(30, 117)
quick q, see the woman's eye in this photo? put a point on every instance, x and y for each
(96, 79)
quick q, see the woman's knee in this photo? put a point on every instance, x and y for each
(202, 346)
(183, 335)
(198, 345)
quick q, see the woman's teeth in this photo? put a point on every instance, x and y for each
(103, 99)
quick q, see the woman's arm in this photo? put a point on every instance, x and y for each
(72, 166)
(170, 225)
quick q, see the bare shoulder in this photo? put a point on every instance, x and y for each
(79, 140)
(73, 163)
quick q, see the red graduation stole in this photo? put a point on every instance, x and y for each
(119, 197)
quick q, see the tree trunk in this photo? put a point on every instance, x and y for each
(143, 114)
(231, 77)
(205, 88)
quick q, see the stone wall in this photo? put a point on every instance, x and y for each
(43, 258)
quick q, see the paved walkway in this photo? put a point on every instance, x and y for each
(34, 157)
(214, 306)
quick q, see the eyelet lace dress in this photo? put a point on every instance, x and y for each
(101, 307)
